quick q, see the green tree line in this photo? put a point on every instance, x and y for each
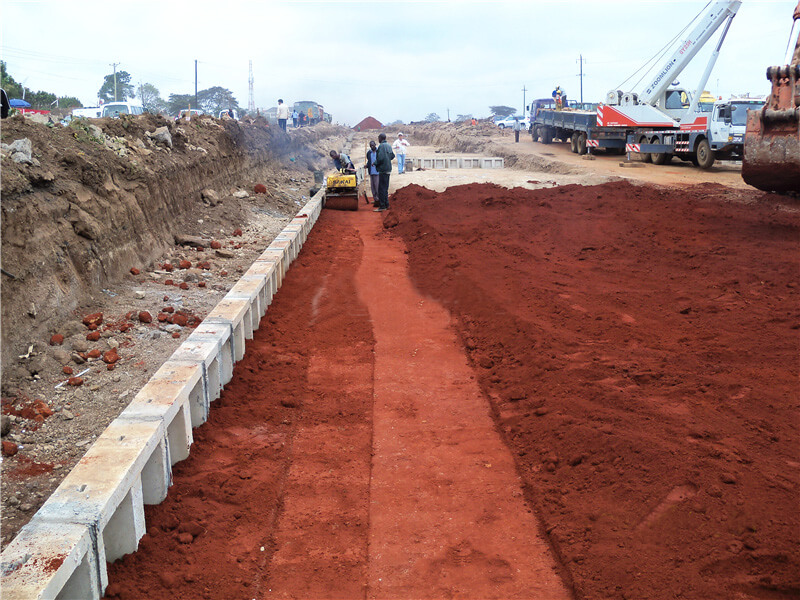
(118, 87)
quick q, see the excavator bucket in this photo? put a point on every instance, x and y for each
(772, 139)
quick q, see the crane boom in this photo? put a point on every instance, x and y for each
(721, 11)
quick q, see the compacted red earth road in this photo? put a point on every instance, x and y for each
(586, 392)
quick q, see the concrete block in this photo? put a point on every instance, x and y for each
(52, 560)
(205, 353)
(237, 313)
(277, 256)
(251, 289)
(268, 270)
(452, 163)
(166, 397)
(427, 163)
(470, 163)
(223, 335)
(439, 163)
(104, 491)
(492, 163)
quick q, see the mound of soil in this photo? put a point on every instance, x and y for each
(639, 347)
(368, 123)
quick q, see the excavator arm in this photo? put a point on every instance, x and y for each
(772, 140)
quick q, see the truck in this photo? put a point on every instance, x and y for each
(662, 120)
(314, 112)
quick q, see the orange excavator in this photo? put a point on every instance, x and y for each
(772, 139)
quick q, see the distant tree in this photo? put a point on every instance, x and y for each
(502, 111)
(41, 100)
(460, 118)
(215, 99)
(69, 102)
(125, 88)
(393, 123)
(12, 88)
(178, 102)
(151, 98)
(432, 118)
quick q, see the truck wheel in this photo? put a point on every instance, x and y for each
(581, 143)
(547, 134)
(645, 156)
(573, 143)
(502, 126)
(705, 156)
(659, 158)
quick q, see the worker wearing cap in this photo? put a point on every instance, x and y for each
(399, 147)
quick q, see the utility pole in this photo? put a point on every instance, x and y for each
(195, 83)
(115, 65)
(251, 102)
(448, 115)
(524, 89)
(581, 60)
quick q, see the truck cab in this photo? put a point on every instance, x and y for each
(729, 121)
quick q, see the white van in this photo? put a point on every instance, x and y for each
(115, 109)
(90, 112)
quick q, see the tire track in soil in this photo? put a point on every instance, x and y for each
(275, 489)
(447, 513)
(287, 495)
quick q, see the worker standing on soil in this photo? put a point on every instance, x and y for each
(372, 156)
(383, 162)
(399, 147)
(294, 118)
(516, 129)
(283, 114)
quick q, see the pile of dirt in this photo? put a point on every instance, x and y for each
(639, 347)
(368, 123)
(91, 217)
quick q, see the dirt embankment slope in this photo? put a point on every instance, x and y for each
(104, 196)
(90, 216)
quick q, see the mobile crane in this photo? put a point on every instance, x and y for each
(664, 120)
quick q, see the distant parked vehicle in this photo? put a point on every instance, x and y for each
(92, 112)
(115, 109)
(509, 122)
(231, 112)
(188, 113)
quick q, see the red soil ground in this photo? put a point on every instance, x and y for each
(640, 347)
(635, 348)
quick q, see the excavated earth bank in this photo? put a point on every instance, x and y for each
(639, 347)
(90, 224)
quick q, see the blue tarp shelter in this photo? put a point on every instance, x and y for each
(16, 103)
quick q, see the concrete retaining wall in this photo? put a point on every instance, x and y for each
(97, 513)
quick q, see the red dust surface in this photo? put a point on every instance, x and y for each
(640, 350)
(285, 452)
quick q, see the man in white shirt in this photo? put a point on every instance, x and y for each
(283, 114)
(399, 148)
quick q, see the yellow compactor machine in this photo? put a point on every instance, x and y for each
(341, 191)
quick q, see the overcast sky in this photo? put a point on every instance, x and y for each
(389, 60)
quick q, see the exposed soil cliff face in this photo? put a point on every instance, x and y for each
(103, 196)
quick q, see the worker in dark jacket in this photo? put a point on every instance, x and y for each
(372, 156)
(383, 163)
